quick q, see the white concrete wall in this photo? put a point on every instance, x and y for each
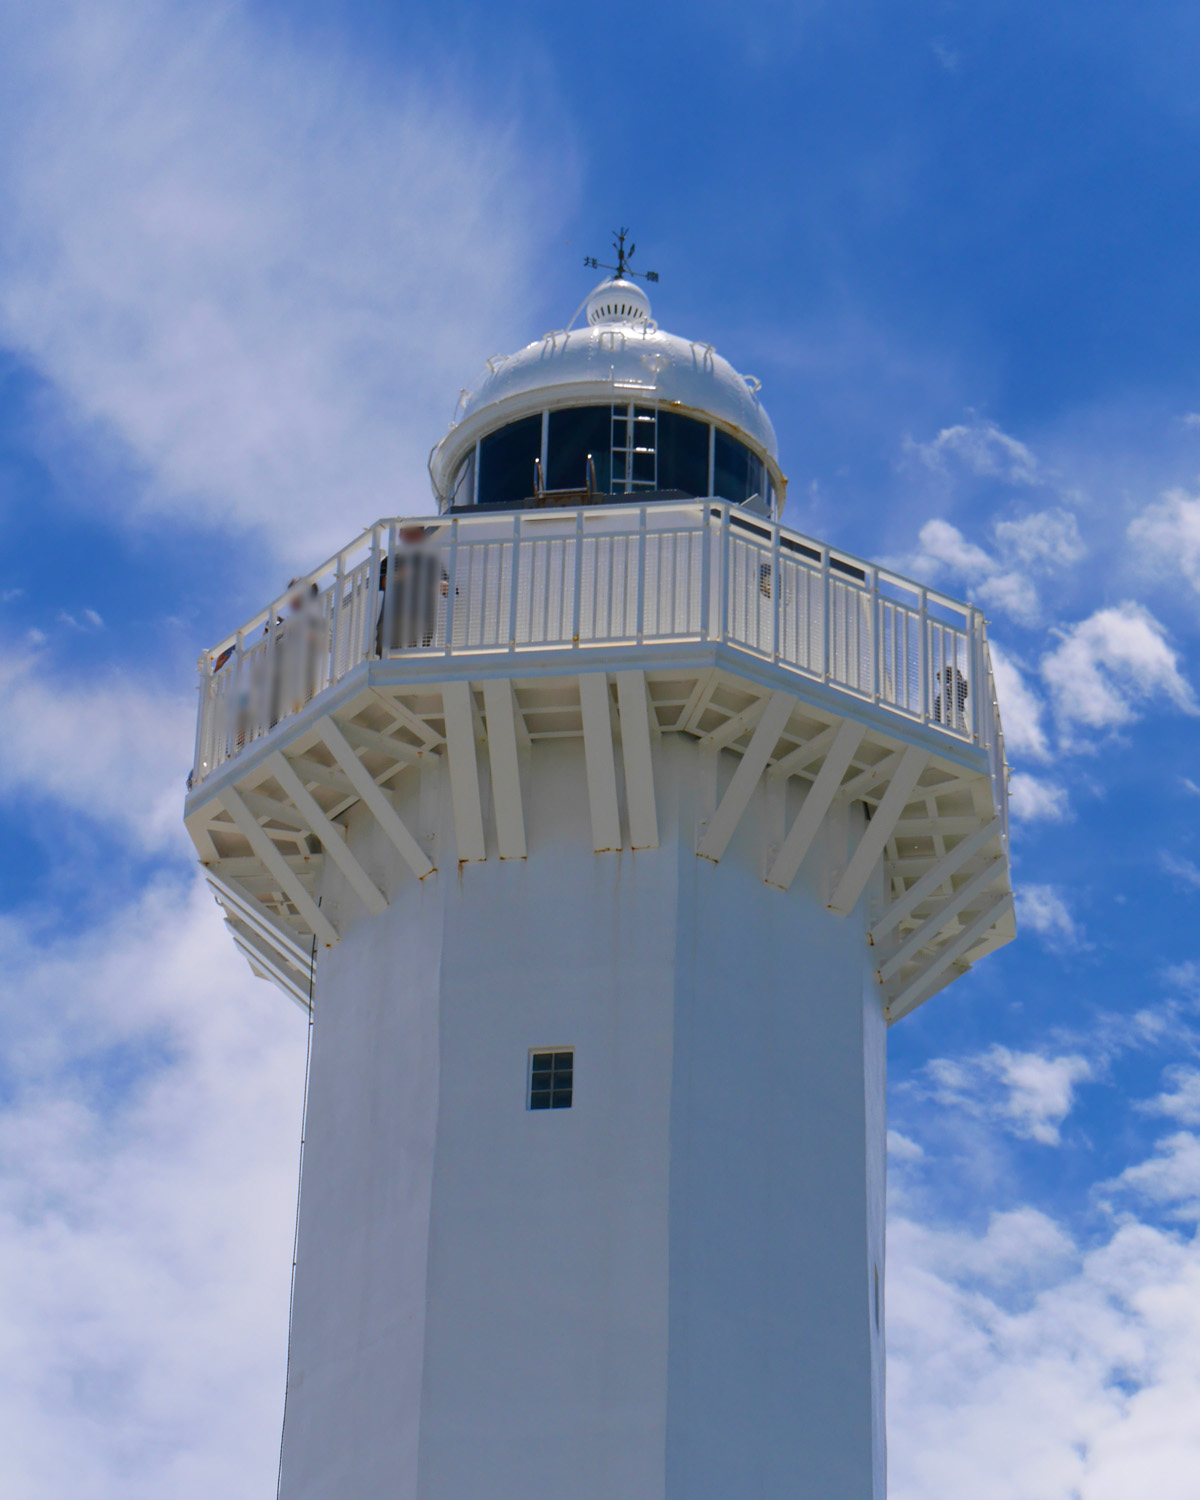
(665, 1291)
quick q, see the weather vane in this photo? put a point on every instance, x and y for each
(622, 267)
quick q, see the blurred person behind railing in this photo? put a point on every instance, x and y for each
(408, 597)
(298, 652)
(956, 692)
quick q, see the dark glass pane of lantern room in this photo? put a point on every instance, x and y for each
(731, 468)
(756, 478)
(574, 434)
(506, 460)
(643, 468)
(682, 454)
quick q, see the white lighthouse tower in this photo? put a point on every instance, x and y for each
(603, 823)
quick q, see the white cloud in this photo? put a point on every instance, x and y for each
(901, 1148)
(1041, 1090)
(114, 750)
(1013, 594)
(1168, 533)
(1171, 1177)
(1033, 800)
(1048, 536)
(1028, 1093)
(1181, 1099)
(943, 545)
(1020, 708)
(1023, 1367)
(981, 449)
(1043, 909)
(1185, 871)
(147, 1187)
(1107, 666)
(1004, 579)
(266, 270)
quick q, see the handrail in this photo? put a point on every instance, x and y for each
(579, 578)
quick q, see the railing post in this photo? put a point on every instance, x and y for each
(705, 567)
(641, 577)
(205, 715)
(726, 569)
(981, 677)
(776, 593)
(452, 586)
(923, 666)
(876, 632)
(335, 628)
(826, 616)
(388, 634)
(372, 597)
(577, 602)
(514, 575)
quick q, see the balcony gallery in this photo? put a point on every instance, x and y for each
(656, 580)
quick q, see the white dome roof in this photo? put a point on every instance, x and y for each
(620, 355)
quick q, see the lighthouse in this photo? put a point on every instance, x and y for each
(602, 823)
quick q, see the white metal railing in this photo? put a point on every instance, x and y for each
(603, 576)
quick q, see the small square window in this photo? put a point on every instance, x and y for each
(551, 1077)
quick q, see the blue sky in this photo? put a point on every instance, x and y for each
(248, 255)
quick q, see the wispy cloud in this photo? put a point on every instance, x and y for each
(1029, 1093)
(113, 750)
(1106, 668)
(147, 1176)
(263, 269)
(1168, 535)
(1005, 578)
(1035, 800)
(1043, 910)
(979, 448)
(1022, 1363)
(1181, 1097)
(1184, 871)
(1170, 1178)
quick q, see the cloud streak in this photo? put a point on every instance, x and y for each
(263, 274)
(147, 1178)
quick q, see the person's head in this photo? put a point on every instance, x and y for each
(411, 535)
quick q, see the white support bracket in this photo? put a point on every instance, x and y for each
(235, 899)
(500, 708)
(332, 837)
(459, 707)
(639, 764)
(375, 798)
(803, 755)
(266, 961)
(594, 703)
(923, 985)
(753, 763)
(921, 890)
(286, 878)
(879, 830)
(816, 804)
(933, 925)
